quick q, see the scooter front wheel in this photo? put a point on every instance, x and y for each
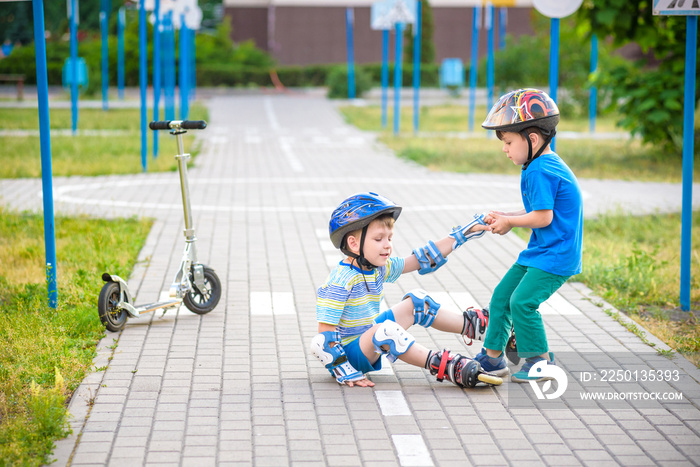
(112, 317)
(202, 301)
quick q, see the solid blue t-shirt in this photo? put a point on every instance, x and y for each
(548, 183)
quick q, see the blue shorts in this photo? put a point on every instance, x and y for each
(355, 356)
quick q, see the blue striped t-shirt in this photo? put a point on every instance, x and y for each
(343, 300)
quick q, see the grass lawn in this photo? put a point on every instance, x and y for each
(86, 154)
(46, 353)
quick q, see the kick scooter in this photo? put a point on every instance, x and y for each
(195, 284)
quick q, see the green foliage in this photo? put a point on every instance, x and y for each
(649, 94)
(525, 63)
(337, 83)
(427, 44)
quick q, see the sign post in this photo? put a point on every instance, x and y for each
(476, 25)
(349, 24)
(691, 12)
(42, 88)
(555, 9)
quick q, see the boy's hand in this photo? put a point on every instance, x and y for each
(364, 383)
(498, 223)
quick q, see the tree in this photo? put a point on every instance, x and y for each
(427, 45)
(649, 94)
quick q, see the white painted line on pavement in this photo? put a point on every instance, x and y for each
(270, 112)
(412, 450)
(292, 159)
(268, 304)
(392, 403)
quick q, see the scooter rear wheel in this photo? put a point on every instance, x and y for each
(112, 317)
(203, 301)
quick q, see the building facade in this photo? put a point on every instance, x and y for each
(305, 32)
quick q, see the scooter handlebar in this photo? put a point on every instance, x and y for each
(178, 124)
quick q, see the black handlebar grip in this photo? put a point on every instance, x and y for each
(194, 125)
(162, 125)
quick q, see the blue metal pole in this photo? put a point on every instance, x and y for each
(554, 64)
(121, 24)
(184, 75)
(349, 22)
(105, 53)
(169, 66)
(416, 68)
(398, 76)
(502, 23)
(691, 40)
(490, 61)
(476, 20)
(385, 74)
(193, 64)
(593, 97)
(45, 142)
(74, 65)
(156, 73)
(143, 82)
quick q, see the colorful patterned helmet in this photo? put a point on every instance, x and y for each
(357, 212)
(522, 109)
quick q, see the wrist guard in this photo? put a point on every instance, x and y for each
(463, 234)
(334, 358)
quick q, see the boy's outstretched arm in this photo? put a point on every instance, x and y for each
(433, 255)
(502, 223)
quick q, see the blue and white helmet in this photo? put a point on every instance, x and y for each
(356, 212)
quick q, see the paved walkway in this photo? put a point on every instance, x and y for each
(238, 386)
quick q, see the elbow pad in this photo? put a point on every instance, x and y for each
(429, 258)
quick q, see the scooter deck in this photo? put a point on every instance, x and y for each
(158, 305)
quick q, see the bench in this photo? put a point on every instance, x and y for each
(19, 79)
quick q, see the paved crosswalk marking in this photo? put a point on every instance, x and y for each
(275, 303)
(392, 403)
(412, 450)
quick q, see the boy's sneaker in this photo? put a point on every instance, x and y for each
(496, 365)
(522, 376)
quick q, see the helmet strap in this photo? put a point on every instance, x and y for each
(547, 139)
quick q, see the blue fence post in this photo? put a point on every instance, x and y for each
(416, 67)
(476, 21)
(104, 34)
(184, 75)
(121, 24)
(554, 64)
(169, 65)
(502, 23)
(143, 82)
(691, 41)
(385, 75)
(490, 61)
(74, 64)
(593, 97)
(193, 64)
(349, 24)
(45, 142)
(156, 73)
(398, 76)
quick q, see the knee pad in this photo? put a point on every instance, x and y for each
(429, 258)
(393, 336)
(420, 299)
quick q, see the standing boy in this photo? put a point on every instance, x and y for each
(525, 121)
